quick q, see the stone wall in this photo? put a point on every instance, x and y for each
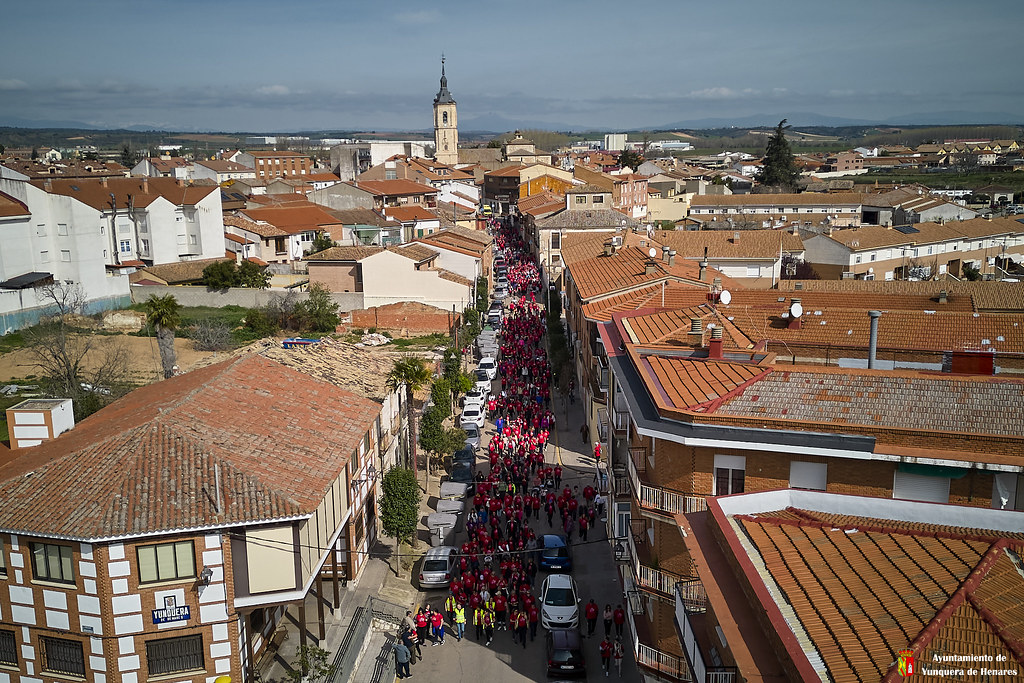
(237, 296)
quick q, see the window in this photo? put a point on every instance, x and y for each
(62, 229)
(581, 199)
(556, 240)
(391, 174)
(753, 271)
(598, 199)
(52, 563)
(166, 562)
(65, 255)
(8, 648)
(62, 656)
(3, 565)
(192, 240)
(729, 472)
(125, 246)
(808, 475)
(872, 256)
(444, 118)
(44, 257)
(145, 246)
(171, 655)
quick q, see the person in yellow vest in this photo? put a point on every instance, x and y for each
(460, 621)
(478, 621)
(449, 606)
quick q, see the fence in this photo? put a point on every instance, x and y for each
(374, 613)
(236, 296)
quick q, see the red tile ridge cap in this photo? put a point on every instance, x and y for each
(998, 626)
(967, 587)
(811, 522)
(712, 406)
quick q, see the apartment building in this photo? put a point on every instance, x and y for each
(280, 234)
(695, 414)
(271, 164)
(751, 210)
(221, 171)
(751, 256)
(921, 251)
(629, 190)
(168, 534)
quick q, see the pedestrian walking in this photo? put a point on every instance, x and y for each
(584, 525)
(437, 621)
(590, 612)
(488, 627)
(460, 621)
(533, 614)
(619, 617)
(606, 655)
(585, 432)
(607, 621)
(521, 624)
(617, 652)
(558, 476)
(478, 621)
(449, 605)
(402, 657)
(599, 504)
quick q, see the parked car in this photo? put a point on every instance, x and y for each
(472, 437)
(559, 602)
(499, 293)
(501, 281)
(464, 454)
(473, 415)
(488, 365)
(476, 396)
(565, 653)
(464, 473)
(483, 382)
(438, 567)
(555, 553)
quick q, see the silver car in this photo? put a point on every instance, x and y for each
(559, 602)
(438, 566)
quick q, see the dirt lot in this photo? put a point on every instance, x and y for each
(144, 358)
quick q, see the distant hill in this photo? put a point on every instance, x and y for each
(943, 118)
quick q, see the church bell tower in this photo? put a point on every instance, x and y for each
(446, 124)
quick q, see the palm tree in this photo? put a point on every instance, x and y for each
(413, 373)
(163, 313)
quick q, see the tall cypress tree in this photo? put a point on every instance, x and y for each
(779, 170)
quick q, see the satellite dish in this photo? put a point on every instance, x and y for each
(653, 252)
(725, 297)
(796, 310)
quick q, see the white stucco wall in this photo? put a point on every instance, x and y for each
(390, 278)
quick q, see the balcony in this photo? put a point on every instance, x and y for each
(658, 499)
(648, 577)
(691, 603)
(621, 422)
(664, 664)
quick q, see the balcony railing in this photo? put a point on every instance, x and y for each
(621, 418)
(652, 578)
(692, 594)
(663, 500)
(690, 599)
(664, 663)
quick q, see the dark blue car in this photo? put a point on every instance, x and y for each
(555, 553)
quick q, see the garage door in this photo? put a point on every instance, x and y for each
(908, 486)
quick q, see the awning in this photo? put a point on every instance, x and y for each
(27, 280)
(932, 470)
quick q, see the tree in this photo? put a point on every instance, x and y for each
(164, 314)
(253, 276)
(441, 395)
(631, 158)
(438, 440)
(259, 323)
(312, 665)
(210, 335)
(399, 508)
(778, 169)
(73, 363)
(220, 275)
(318, 312)
(127, 156)
(35, 153)
(971, 273)
(321, 241)
(412, 373)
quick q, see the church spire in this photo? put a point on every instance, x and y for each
(443, 96)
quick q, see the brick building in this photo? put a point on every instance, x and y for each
(167, 534)
(270, 164)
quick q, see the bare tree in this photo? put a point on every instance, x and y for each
(72, 362)
(210, 335)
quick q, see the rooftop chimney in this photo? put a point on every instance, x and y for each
(703, 266)
(608, 248)
(943, 297)
(651, 267)
(873, 339)
(48, 185)
(715, 346)
(672, 257)
(717, 282)
(736, 237)
(103, 181)
(664, 253)
(145, 184)
(696, 326)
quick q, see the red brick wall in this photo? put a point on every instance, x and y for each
(400, 320)
(336, 277)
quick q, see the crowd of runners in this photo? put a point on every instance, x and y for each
(494, 586)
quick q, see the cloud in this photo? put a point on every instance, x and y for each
(12, 84)
(427, 16)
(274, 90)
(723, 93)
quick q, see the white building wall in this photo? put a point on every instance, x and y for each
(465, 265)
(390, 278)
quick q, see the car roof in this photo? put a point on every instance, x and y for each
(440, 551)
(565, 638)
(559, 581)
(554, 541)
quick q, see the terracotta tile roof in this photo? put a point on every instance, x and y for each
(985, 296)
(279, 154)
(224, 166)
(409, 213)
(859, 592)
(506, 172)
(182, 272)
(168, 165)
(762, 244)
(10, 207)
(321, 177)
(869, 237)
(94, 193)
(345, 253)
(447, 239)
(293, 219)
(850, 328)
(896, 400)
(863, 300)
(261, 229)
(234, 238)
(393, 188)
(415, 252)
(700, 385)
(148, 462)
(779, 200)
(64, 169)
(676, 296)
(589, 219)
(362, 371)
(453, 277)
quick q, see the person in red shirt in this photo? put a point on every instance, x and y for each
(590, 612)
(533, 614)
(619, 617)
(583, 528)
(606, 655)
(500, 607)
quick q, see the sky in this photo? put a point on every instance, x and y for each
(262, 66)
